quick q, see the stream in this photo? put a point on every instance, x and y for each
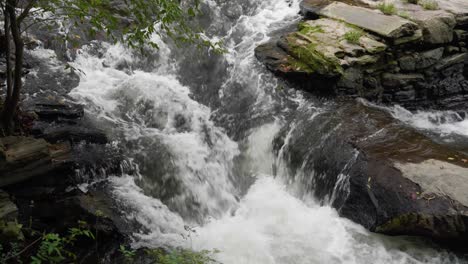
(200, 130)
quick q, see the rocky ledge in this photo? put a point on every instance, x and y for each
(412, 56)
(381, 173)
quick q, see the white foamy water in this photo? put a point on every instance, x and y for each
(443, 122)
(152, 113)
(273, 227)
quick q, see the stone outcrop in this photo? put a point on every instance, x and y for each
(22, 158)
(381, 173)
(415, 58)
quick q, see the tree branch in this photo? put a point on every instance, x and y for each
(26, 10)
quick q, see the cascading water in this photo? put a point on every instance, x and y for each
(213, 168)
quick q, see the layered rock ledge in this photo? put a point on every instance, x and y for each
(381, 173)
(415, 57)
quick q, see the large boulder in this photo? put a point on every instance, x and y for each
(22, 158)
(437, 25)
(380, 173)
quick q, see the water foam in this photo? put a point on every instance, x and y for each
(444, 123)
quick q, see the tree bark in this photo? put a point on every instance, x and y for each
(11, 105)
(9, 81)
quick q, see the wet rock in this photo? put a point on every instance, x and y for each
(381, 173)
(54, 108)
(23, 158)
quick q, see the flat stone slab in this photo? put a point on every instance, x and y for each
(386, 26)
(438, 177)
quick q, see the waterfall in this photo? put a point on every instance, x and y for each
(201, 131)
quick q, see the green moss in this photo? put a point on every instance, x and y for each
(404, 15)
(316, 61)
(404, 222)
(300, 66)
(306, 28)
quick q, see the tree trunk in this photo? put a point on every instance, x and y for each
(11, 105)
(9, 80)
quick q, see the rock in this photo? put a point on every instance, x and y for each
(423, 60)
(8, 210)
(22, 158)
(392, 27)
(54, 107)
(74, 133)
(450, 61)
(310, 8)
(397, 80)
(382, 174)
(437, 25)
(457, 7)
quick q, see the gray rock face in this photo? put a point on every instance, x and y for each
(22, 158)
(418, 61)
(396, 177)
(8, 210)
(437, 25)
(392, 27)
(458, 7)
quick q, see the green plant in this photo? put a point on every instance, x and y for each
(129, 254)
(404, 15)
(353, 36)
(429, 4)
(183, 256)
(387, 8)
(10, 254)
(54, 248)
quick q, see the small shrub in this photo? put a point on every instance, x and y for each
(429, 4)
(353, 36)
(387, 8)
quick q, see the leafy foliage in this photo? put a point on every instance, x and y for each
(132, 22)
(129, 254)
(53, 248)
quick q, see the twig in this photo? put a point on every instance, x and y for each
(26, 248)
